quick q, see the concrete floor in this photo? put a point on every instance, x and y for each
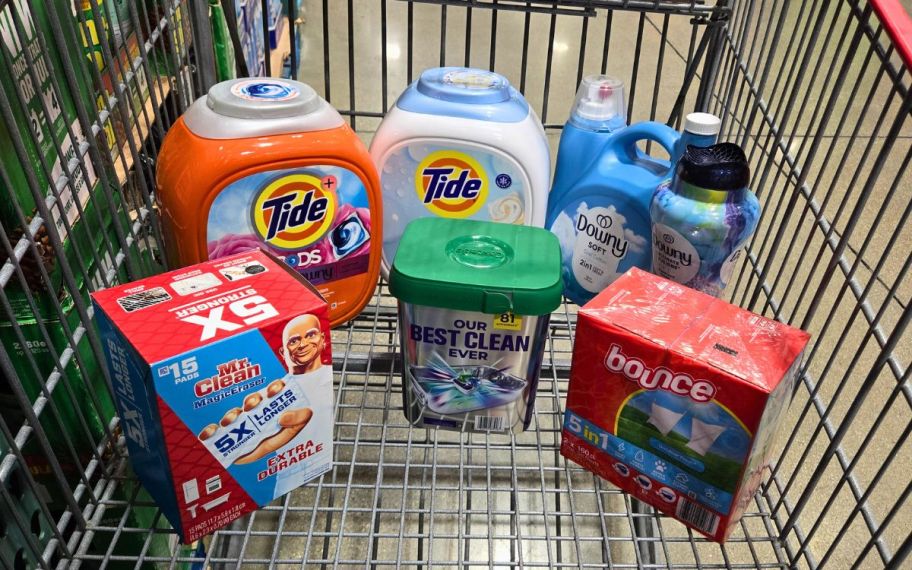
(843, 353)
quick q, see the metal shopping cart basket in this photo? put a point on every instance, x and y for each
(817, 92)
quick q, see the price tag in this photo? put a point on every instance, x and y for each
(508, 322)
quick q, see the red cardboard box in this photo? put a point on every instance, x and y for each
(222, 376)
(676, 397)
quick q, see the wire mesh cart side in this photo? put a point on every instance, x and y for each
(818, 95)
(89, 89)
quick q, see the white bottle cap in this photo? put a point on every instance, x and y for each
(259, 107)
(702, 124)
(262, 98)
(600, 98)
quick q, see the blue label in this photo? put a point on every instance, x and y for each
(136, 407)
(658, 468)
(204, 399)
(599, 242)
(260, 90)
(240, 401)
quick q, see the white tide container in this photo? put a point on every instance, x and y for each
(460, 143)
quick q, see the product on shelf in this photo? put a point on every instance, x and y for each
(599, 204)
(460, 143)
(222, 376)
(250, 31)
(474, 303)
(676, 397)
(97, 33)
(121, 20)
(80, 214)
(112, 25)
(291, 177)
(43, 119)
(170, 52)
(81, 403)
(703, 217)
(221, 42)
(27, 503)
(276, 22)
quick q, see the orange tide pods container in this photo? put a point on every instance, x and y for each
(268, 163)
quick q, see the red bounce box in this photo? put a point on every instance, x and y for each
(676, 397)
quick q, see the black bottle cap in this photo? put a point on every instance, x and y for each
(722, 166)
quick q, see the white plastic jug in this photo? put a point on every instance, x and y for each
(460, 143)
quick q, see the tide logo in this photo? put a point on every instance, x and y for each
(451, 184)
(294, 211)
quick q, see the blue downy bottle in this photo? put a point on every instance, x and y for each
(599, 202)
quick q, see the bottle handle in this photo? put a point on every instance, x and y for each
(626, 140)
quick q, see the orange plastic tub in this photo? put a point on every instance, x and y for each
(268, 163)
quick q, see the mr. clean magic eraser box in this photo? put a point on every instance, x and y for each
(676, 397)
(222, 376)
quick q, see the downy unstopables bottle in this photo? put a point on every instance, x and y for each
(703, 217)
(599, 203)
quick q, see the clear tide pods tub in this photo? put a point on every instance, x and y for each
(475, 299)
(460, 143)
(268, 163)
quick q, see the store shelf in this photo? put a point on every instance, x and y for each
(283, 48)
(140, 130)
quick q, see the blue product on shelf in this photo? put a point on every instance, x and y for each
(276, 23)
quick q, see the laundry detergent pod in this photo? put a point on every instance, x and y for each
(474, 303)
(267, 163)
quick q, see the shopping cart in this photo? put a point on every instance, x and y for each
(818, 94)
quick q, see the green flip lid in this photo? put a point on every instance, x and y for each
(470, 265)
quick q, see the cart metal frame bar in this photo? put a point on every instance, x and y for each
(818, 94)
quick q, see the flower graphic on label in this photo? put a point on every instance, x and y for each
(231, 244)
(508, 210)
